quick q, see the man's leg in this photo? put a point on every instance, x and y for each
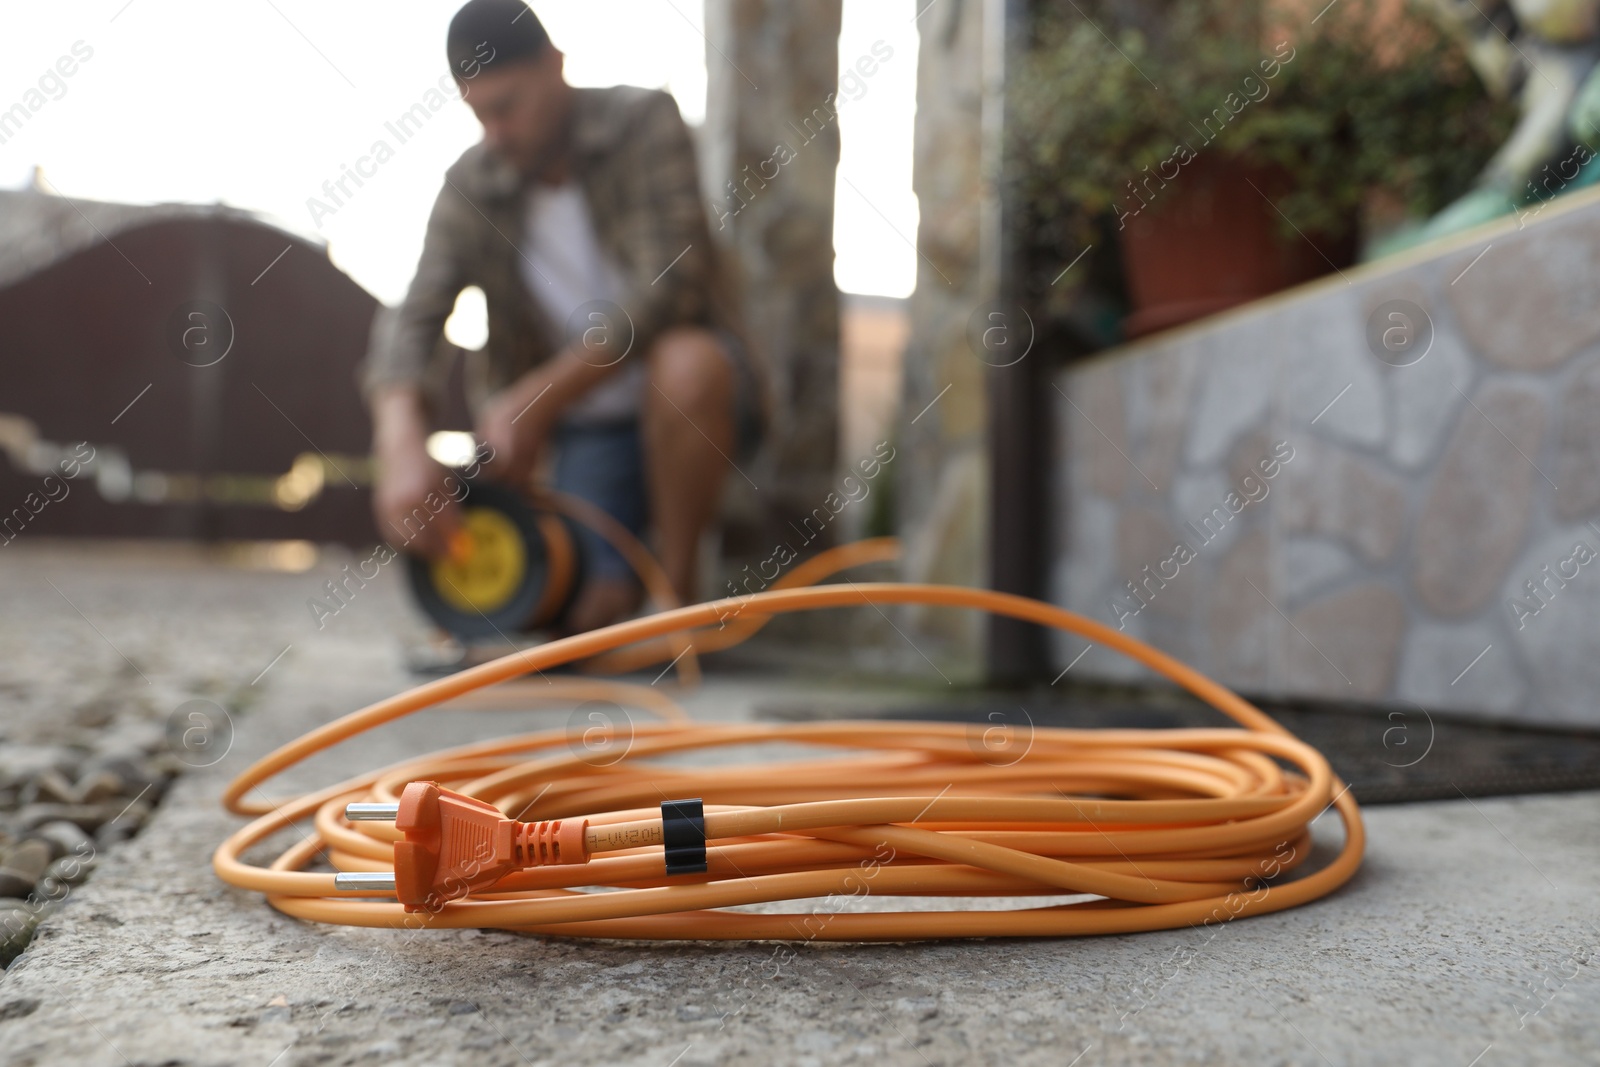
(688, 424)
(601, 602)
(604, 465)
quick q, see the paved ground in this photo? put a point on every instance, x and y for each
(1469, 937)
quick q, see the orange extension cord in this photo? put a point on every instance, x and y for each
(1127, 829)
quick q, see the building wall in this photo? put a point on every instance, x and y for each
(1399, 551)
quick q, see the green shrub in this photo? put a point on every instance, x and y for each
(1353, 106)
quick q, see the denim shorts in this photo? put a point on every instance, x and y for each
(603, 463)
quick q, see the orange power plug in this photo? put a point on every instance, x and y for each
(456, 845)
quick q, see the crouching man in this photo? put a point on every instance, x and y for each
(614, 344)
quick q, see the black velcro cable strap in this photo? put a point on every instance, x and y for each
(683, 832)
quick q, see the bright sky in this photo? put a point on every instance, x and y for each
(257, 102)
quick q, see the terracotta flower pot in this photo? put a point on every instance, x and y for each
(1207, 241)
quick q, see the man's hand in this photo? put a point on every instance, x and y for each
(516, 424)
(415, 498)
(415, 509)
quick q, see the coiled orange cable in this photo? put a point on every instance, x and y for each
(1128, 829)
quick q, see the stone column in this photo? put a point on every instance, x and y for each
(943, 487)
(771, 149)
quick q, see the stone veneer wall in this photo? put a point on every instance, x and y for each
(1385, 558)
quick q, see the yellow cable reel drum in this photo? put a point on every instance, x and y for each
(511, 568)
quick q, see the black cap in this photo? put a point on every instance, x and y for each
(488, 33)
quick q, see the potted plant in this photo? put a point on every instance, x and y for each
(1234, 149)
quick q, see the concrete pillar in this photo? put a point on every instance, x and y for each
(771, 150)
(943, 487)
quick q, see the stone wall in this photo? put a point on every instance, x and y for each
(1430, 530)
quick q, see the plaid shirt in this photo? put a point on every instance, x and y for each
(633, 157)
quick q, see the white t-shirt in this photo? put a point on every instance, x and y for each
(564, 266)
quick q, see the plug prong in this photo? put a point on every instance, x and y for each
(355, 881)
(372, 812)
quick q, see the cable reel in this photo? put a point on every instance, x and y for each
(511, 568)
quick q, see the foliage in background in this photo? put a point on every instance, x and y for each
(1369, 102)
